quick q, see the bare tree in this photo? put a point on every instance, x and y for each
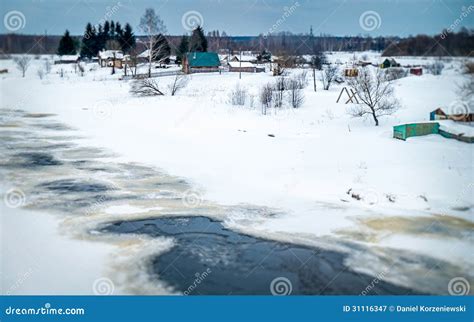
(266, 97)
(145, 87)
(295, 93)
(435, 68)
(22, 63)
(329, 75)
(152, 25)
(238, 95)
(179, 82)
(376, 94)
(279, 91)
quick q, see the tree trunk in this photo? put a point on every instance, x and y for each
(375, 118)
(314, 79)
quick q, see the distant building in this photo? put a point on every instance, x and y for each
(198, 62)
(389, 62)
(109, 58)
(244, 58)
(244, 67)
(67, 59)
(351, 72)
(418, 71)
(464, 114)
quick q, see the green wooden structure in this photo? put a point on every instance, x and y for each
(405, 131)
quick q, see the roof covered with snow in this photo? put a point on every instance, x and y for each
(110, 54)
(243, 64)
(68, 58)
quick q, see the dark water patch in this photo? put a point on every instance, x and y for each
(35, 159)
(65, 186)
(52, 126)
(236, 263)
(38, 115)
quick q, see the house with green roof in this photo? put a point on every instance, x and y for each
(199, 62)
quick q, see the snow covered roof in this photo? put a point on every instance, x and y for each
(245, 58)
(68, 58)
(110, 54)
(144, 54)
(236, 64)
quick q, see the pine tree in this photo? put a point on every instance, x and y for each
(66, 45)
(198, 41)
(183, 48)
(100, 39)
(161, 50)
(87, 46)
(127, 41)
(118, 31)
(112, 30)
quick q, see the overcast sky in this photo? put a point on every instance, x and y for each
(244, 17)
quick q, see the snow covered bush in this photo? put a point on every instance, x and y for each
(375, 93)
(266, 97)
(328, 75)
(436, 68)
(47, 66)
(279, 91)
(295, 93)
(395, 73)
(238, 95)
(40, 73)
(301, 79)
(145, 87)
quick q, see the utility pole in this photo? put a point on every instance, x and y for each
(240, 64)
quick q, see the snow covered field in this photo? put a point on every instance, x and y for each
(316, 154)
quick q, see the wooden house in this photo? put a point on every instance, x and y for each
(389, 62)
(110, 58)
(199, 62)
(351, 72)
(244, 67)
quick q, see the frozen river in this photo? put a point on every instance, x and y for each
(170, 240)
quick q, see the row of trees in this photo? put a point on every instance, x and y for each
(111, 35)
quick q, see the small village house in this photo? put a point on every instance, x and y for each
(389, 62)
(351, 72)
(464, 116)
(244, 67)
(111, 58)
(199, 62)
(67, 59)
(418, 71)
